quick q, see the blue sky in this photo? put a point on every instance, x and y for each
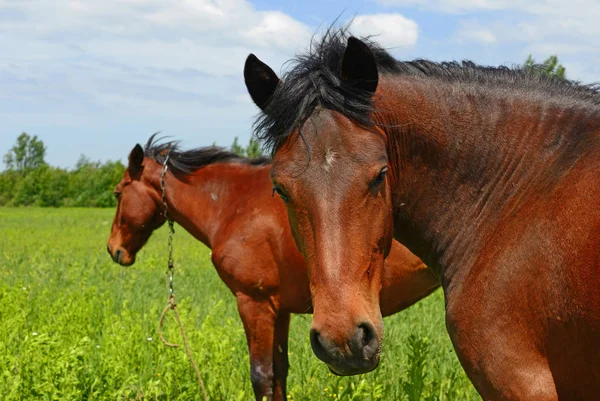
(96, 77)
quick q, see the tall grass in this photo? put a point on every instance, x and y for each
(76, 326)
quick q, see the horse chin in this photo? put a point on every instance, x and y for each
(126, 261)
(355, 369)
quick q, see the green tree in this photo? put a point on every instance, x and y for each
(8, 183)
(82, 162)
(91, 184)
(550, 67)
(237, 148)
(27, 154)
(252, 150)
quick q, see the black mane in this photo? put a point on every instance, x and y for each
(313, 81)
(191, 160)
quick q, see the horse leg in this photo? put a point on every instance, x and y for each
(280, 356)
(258, 317)
(502, 360)
(527, 380)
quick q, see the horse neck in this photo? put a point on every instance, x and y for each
(205, 201)
(462, 158)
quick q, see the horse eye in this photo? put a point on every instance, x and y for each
(281, 194)
(117, 194)
(380, 177)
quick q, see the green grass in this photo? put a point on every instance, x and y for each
(76, 326)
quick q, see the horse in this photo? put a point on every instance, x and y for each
(490, 175)
(225, 201)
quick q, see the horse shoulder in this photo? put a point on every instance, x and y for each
(245, 260)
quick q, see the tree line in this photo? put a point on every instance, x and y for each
(29, 181)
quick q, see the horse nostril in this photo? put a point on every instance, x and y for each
(117, 256)
(365, 335)
(366, 340)
(317, 345)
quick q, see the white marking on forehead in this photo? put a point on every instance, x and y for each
(330, 157)
(214, 197)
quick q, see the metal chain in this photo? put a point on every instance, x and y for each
(170, 264)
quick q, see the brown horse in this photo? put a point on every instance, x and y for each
(490, 175)
(226, 202)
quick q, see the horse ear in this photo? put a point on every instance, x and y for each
(261, 81)
(359, 68)
(136, 158)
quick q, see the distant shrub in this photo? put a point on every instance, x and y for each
(90, 184)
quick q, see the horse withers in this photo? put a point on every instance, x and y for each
(226, 202)
(490, 175)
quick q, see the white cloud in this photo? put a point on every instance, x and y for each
(278, 30)
(125, 56)
(454, 6)
(117, 67)
(477, 35)
(171, 30)
(135, 65)
(473, 31)
(569, 29)
(156, 51)
(565, 17)
(390, 30)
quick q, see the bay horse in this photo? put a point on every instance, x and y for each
(490, 175)
(226, 202)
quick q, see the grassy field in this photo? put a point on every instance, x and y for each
(76, 326)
